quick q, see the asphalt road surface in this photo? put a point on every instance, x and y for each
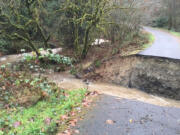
(113, 116)
(165, 45)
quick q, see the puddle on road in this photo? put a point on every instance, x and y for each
(66, 81)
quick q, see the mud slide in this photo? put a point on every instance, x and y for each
(66, 81)
(153, 75)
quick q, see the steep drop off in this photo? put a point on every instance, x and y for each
(150, 74)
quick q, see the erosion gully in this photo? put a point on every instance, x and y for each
(67, 81)
(134, 96)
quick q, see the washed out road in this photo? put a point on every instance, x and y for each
(165, 45)
(122, 116)
(129, 111)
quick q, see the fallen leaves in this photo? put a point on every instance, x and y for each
(73, 113)
(71, 117)
(47, 121)
(17, 124)
(88, 100)
(110, 122)
(86, 103)
(67, 132)
(44, 94)
(3, 87)
(76, 131)
(94, 93)
(73, 122)
(131, 120)
(64, 117)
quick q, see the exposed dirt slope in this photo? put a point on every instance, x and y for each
(151, 74)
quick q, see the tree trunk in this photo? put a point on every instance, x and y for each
(35, 49)
(86, 45)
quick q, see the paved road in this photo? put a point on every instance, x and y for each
(165, 45)
(130, 118)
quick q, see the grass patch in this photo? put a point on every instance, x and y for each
(169, 31)
(175, 33)
(40, 117)
(151, 39)
(143, 41)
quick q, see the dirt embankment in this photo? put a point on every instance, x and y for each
(151, 74)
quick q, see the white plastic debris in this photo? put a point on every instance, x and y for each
(100, 41)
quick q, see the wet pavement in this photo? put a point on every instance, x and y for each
(130, 117)
(165, 45)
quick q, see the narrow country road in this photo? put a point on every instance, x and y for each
(165, 45)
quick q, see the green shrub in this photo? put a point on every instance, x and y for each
(50, 57)
(56, 58)
(45, 103)
(21, 88)
(21, 21)
(73, 70)
(97, 63)
(4, 46)
(161, 22)
(9, 47)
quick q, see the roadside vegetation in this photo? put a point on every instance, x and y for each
(175, 33)
(34, 106)
(151, 38)
(141, 43)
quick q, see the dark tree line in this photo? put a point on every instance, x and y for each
(164, 13)
(34, 24)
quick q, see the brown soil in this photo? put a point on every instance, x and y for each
(110, 69)
(107, 51)
(150, 74)
(66, 81)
